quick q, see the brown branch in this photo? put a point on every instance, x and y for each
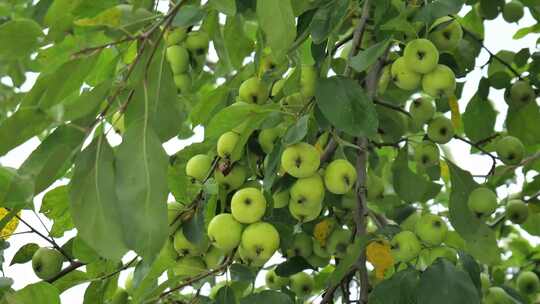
(72, 266)
(357, 35)
(493, 157)
(391, 106)
(329, 150)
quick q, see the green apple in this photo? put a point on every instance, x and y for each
(482, 201)
(214, 257)
(497, 295)
(319, 250)
(273, 281)
(409, 223)
(422, 110)
(47, 263)
(440, 129)
(405, 246)
(225, 232)
(251, 258)
(308, 81)
(513, 11)
(173, 211)
(183, 83)
(226, 144)
(248, 205)
(175, 36)
(254, 91)
(178, 58)
(446, 34)
(301, 245)
(431, 229)
(338, 241)
(120, 296)
(384, 80)
(521, 93)
(183, 246)
(510, 150)
(293, 103)
(303, 212)
(233, 180)
(267, 138)
(278, 87)
(197, 42)
(439, 82)
(374, 187)
(189, 267)
(308, 190)
(489, 9)
(300, 160)
(421, 56)
(281, 198)
(339, 176)
(260, 240)
(528, 282)
(199, 166)
(268, 64)
(302, 284)
(403, 77)
(318, 261)
(517, 211)
(442, 252)
(426, 154)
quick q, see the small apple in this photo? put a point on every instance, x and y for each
(183, 83)
(338, 241)
(197, 42)
(273, 281)
(175, 36)
(409, 223)
(517, 211)
(421, 56)
(374, 187)
(422, 110)
(440, 129)
(303, 212)
(224, 232)
(199, 166)
(319, 250)
(178, 57)
(513, 11)
(267, 138)
(528, 282)
(497, 295)
(522, 93)
(405, 246)
(403, 77)
(268, 64)
(308, 81)
(233, 180)
(251, 258)
(300, 160)
(447, 253)
(427, 154)
(260, 240)
(431, 229)
(308, 190)
(248, 205)
(302, 284)
(183, 246)
(482, 201)
(213, 257)
(293, 103)
(510, 149)
(189, 267)
(281, 198)
(302, 245)
(446, 34)
(47, 263)
(254, 91)
(339, 176)
(226, 145)
(439, 82)
(489, 9)
(120, 296)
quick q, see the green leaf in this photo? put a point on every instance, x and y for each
(439, 8)
(228, 7)
(231, 117)
(86, 104)
(24, 254)
(164, 261)
(194, 228)
(398, 289)
(21, 126)
(188, 15)
(208, 104)
(522, 32)
(327, 19)
(19, 38)
(267, 297)
(70, 280)
(410, 186)
(225, 295)
(55, 206)
(344, 103)
(38, 293)
(480, 239)
(16, 191)
(479, 119)
(241, 272)
(443, 283)
(237, 44)
(277, 21)
(366, 58)
(473, 269)
(345, 265)
(291, 266)
(94, 205)
(522, 122)
(532, 225)
(296, 132)
(121, 17)
(141, 170)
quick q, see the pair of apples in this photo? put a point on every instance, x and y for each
(482, 202)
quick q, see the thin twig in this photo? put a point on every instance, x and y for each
(72, 266)
(493, 157)
(358, 34)
(391, 106)
(329, 150)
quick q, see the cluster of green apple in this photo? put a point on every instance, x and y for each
(527, 283)
(183, 48)
(512, 11)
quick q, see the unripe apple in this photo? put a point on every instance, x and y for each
(403, 77)
(340, 176)
(120, 296)
(300, 160)
(439, 82)
(422, 110)
(426, 154)
(47, 263)
(522, 93)
(281, 198)
(189, 267)
(233, 180)
(338, 241)
(273, 281)
(224, 232)
(214, 257)
(447, 253)
(431, 229)
(489, 9)
(175, 36)
(254, 91)
(517, 211)
(183, 83)
(320, 250)
(510, 150)
(302, 284)
(308, 190)
(497, 295)
(267, 138)
(199, 166)
(528, 282)
(447, 33)
(248, 205)
(260, 240)
(302, 245)
(421, 56)
(278, 87)
(183, 246)
(178, 57)
(268, 64)
(293, 103)
(405, 246)
(482, 201)
(440, 130)
(409, 223)
(197, 42)
(513, 11)
(303, 212)
(308, 81)
(374, 187)
(226, 144)
(251, 258)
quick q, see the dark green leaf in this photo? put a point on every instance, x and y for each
(296, 132)
(364, 59)
(291, 266)
(327, 18)
(473, 269)
(439, 8)
(398, 289)
(276, 19)
(19, 38)
(24, 254)
(241, 272)
(194, 228)
(225, 295)
(227, 7)
(479, 119)
(55, 206)
(267, 297)
(188, 15)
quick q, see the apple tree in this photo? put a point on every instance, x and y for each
(324, 174)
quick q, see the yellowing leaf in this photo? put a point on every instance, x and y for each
(10, 227)
(445, 172)
(455, 114)
(322, 230)
(379, 255)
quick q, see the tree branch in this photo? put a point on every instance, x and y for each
(72, 266)
(391, 106)
(358, 34)
(493, 157)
